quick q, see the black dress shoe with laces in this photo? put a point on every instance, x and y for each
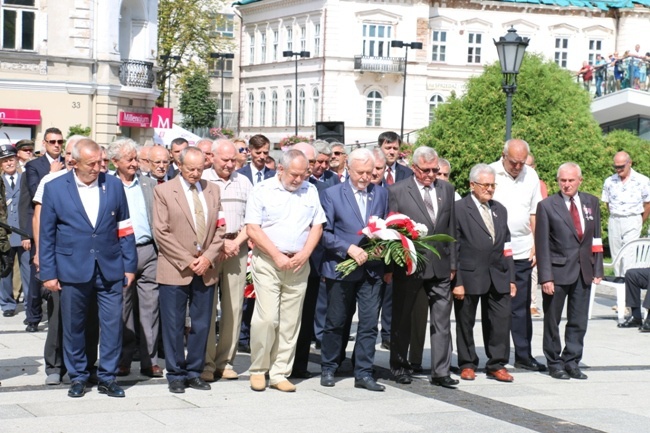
(417, 368)
(403, 379)
(198, 383)
(369, 383)
(77, 389)
(177, 386)
(444, 381)
(32, 327)
(530, 364)
(631, 322)
(110, 388)
(301, 374)
(576, 373)
(559, 374)
(327, 379)
(646, 326)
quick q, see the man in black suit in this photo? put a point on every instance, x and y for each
(486, 273)
(177, 146)
(256, 171)
(430, 202)
(569, 259)
(389, 142)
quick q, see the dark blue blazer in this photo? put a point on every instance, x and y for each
(246, 171)
(344, 221)
(12, 197)
(329, 179)
(35, 170)
(69, 246)
(402, 172)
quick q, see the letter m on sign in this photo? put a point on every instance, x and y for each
(162, 117)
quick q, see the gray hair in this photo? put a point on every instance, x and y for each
(361, 155)
(71, 141)
(337, 144)
(568, 165)
(478, 170)
(425, 153)
(322, 147)
(506, 146)
(191, 149)
(379, 155)
(203, 140)
(220, 142)
(445, 162)
(84, 143)
(119, 147)
(289, 156)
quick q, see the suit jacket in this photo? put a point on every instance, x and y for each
(148, 184)
(344, 221)
(402, 172)
(175, 233)
(69, 245)
(35, 170)
(329, 179)
(561, 256)
(481, 261)
(172, 172)
(405, 198)
(246, 171)
(12, 198)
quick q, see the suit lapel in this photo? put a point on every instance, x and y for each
(352, 201)
(560, 208)
(475, 214)
(181, 200)
(101, 183)
(417, 199)
(585, 203)
(76, 199)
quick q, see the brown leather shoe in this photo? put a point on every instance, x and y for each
(227, 374)
(153, 371)
(123, 371)
(467, 374)
(284, 386)
(207, 376)
(258, 382)
(500, 375)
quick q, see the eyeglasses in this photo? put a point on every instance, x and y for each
(433, 170)
(619, 167)
(55, 141)
(160, 162)
(486, 185)
(26, 150)
(441, 174)
(243, 150)
(338, 153)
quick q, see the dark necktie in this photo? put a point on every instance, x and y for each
(259, 177)
(160, 181)
(13, 184)
(389, 177)
(576, 218)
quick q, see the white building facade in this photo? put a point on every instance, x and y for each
(354, 76)
(77, 62)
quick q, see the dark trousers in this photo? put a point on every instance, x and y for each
(635, 281)
(173, 306)
(386, 310)
(307, 324)
(404, 294)
(577, 296)
(34, 297)
(76, 300)
(342, 297)
(497, 306)
(246, 317)
(522, 321)
(320, 313)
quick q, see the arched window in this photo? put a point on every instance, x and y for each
(288, 108)
(373, 109)
(251, 108)
(433, 103)
(262, 109)
(301, 107)
(274, 108)
(315, 99)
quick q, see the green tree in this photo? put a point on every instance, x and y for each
(78, 130)
(186, 28)
(199, 109)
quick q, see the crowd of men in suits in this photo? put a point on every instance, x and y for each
(145, 258)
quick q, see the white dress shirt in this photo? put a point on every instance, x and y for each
(190, 200)
(89, 195)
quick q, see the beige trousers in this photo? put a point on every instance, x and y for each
(276, 319)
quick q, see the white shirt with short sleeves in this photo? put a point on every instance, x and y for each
(626, 198)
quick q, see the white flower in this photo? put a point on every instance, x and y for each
(421, 229)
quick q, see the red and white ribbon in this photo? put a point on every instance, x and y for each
(124, 228)
(221, 219)
(597, 245)
(377, 229)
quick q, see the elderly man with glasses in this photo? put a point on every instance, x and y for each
(627, 195)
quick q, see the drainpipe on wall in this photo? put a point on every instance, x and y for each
(239, 104)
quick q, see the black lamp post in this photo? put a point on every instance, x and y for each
(169, 78)
(304, 55)
(415, 46)
(222, 56)
(511, 49)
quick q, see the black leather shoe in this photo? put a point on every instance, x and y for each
(445, 382)
(77, 389)
(403, 379)
(25, 322)
(631, 322)
(110, 388)
(32, 327)
(177, 386)
(9, 313)
(385, 344)
(327, 379)
(301, 374)
(559, 374)
(369, 383)
(575, 373)
(530, 364)
(646, 326)
(198, 383)
(417, 368)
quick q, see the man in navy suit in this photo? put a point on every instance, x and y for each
(87, 248)
(348, 206)
(389, 142)
(256, 171)
(177, 146)
(320, 171)
(569, 259)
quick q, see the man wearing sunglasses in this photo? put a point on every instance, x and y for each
(25, 152)
(627, 194)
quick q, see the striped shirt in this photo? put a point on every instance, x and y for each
(234, 195)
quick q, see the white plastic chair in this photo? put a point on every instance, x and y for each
(634, 254)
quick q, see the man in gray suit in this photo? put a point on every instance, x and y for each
(431, 202)
(569, 259)
(144, 292)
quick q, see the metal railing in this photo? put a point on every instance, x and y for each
(391, 65)
(137, 73)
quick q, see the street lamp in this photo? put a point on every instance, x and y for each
(415, 46)
(511, 49)
(222, 56)
(169, 78)
(304, 55)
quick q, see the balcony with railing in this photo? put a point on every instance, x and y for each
(137, 73)
(383, 65)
